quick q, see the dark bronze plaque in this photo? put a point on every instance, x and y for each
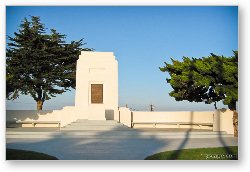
(96, 93)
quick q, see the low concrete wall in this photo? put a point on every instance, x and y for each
(173, 116)
(65, 116)
(68, 115)
(28, 115)
(221, 119)
(125, 116)
(116, 115)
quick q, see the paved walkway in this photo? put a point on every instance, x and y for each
(109, 140)
(111, 148)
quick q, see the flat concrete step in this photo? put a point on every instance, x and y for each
(116, 134)
(94, 124)
(94, 128)
(128, 132)
(97, 129)
(96, 121)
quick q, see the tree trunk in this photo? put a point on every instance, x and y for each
(235, 123)
(39, 105)
(215, 106)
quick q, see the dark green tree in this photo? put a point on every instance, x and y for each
(208, 79)
(40, 64)
(227, 83)
(210, 70)
(188, 80)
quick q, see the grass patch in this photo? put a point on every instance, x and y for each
(14, 154)
(220, 153)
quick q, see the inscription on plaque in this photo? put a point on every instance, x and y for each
(96, 93)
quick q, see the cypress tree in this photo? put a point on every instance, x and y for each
(208, 79)
(40, 64)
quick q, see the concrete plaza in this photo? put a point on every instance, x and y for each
(111, 141)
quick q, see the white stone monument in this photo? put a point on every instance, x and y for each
(96, 95)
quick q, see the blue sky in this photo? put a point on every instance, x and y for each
(142, 39)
